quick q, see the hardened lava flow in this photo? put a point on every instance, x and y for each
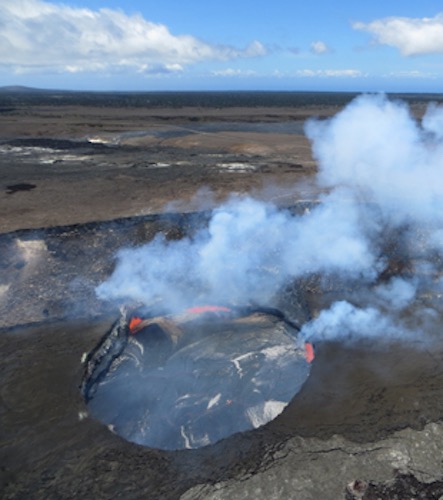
(190, 379)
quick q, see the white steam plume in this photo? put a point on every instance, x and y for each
(378, 150)
(249, 250)
(384, 175)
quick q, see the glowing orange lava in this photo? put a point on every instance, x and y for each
(309, 354)
(135, 321)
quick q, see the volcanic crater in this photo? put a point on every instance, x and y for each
(365, 423)
(364, 407)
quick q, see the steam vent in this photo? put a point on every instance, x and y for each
(191, 379)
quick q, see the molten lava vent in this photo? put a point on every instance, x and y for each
(191, 379)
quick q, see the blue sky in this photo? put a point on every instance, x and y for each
(223, 45)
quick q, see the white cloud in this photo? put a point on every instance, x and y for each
(35, 34)
(330, 73)
(411, 74)
(319, 47)
(233, 72)
(411, 36)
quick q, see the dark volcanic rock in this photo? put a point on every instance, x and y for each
(22, 186)
(51, 274)
(404, 486)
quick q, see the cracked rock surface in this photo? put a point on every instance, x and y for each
(312, 468)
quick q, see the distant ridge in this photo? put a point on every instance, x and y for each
(22, 89)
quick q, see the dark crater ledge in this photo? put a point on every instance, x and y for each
(366, 424)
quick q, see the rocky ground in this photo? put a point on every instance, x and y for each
(77, 184)
(137, 163)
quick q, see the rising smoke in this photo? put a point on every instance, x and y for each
(382, 171)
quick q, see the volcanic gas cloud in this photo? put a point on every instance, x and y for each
(382, 171)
